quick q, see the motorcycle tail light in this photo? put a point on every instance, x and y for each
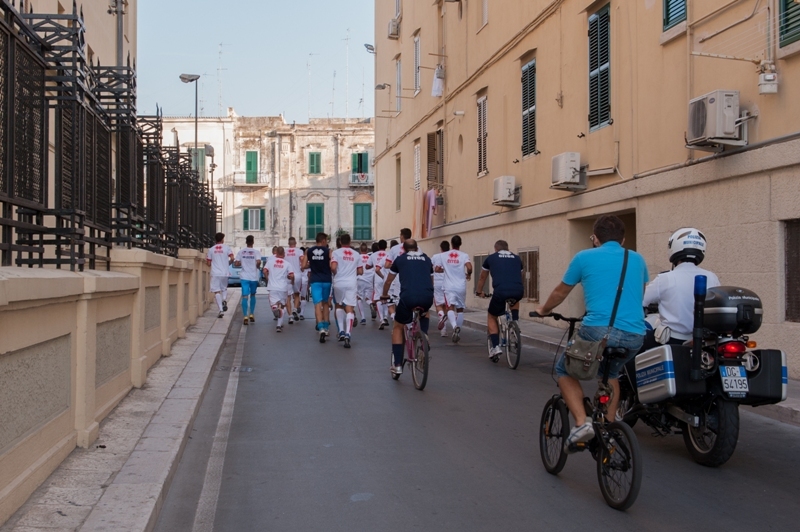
(604, 399)
(732, 349)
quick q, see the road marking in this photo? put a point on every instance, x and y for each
(207, 505)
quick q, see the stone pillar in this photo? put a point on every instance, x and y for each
(86, 349)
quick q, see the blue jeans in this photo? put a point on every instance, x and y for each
(616, 338)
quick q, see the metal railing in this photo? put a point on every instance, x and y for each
(361, 180)
(245, 179)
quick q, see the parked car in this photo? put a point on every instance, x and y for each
(233, 275)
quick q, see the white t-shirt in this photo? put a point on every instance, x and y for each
(347, 260)
(279, 269)
(369, 274)
(438, 278)
(378, 261)
(674, 293)
(219, 256)
(395, 252)
(293, 257)
(249, 258)
(454, 263)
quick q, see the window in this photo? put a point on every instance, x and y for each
(789, 22)
(674, 12)
(529, 108)
(477, 265)
(315, 162)
(484, 12)
(399, 85)
(199, 163)
(251, 167)
(360, 164)
(417, 166)
(315, 220)
(600, 69)
(398, 183)
(362, 221)
(436, 158)
(417, 82)
(254, 219)
(792, 251)
(482, 166)
(530, 268)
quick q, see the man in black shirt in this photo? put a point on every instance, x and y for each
(318, 259)
(506, 270)
(416, 290)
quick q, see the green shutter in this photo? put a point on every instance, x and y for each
(600, 68)
(315, 162)
(789, 22)
(362, 218)
(674, 12)
(251, 162)
(354, 163)
(245, 220)
(263, 219)
(315, 220)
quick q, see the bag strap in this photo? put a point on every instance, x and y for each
(619, 290)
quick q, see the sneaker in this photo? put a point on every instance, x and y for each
(397, 370)
(291, 321)
(496, 352)
(295, 315)
(221, 315)
(347, 341)
(355, 324)
(456, 335)
(252, 319)
(279, 328)
(302, 317)
(363, 321)
(373, 311)
(580, 434)
(382, 325)
(322, 334)
(341, 336)
(246, 321)
(224, 306)
(442, 322)
(444, 333)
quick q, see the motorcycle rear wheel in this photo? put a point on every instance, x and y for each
(714, 441)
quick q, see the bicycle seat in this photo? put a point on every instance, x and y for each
(615, 352)
(511, 302)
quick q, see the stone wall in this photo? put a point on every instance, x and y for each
(72, 345)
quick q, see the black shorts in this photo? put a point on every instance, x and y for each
(404, 314)
(497, 305)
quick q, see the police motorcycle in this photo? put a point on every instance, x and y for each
(695, 389)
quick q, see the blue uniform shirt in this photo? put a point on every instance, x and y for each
(319, 260)
(414, 270)
(599, 270)
(506, 270)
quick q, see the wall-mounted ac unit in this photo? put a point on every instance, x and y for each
(714, 117)
(566, 173)
(505, 191)
(394, 28)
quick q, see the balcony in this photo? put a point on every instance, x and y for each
(247, 180)
(362, 180)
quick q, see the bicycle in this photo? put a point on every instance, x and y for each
(417, 351)
(614, 446)
(510, 337)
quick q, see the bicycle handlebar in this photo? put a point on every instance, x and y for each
(556, 316)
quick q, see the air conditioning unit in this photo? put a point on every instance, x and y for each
(505, 191)
(713, 117)
(566, 173)
(394, 28)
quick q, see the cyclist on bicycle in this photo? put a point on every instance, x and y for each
(415, 271)
(598, 270)
(506, 270)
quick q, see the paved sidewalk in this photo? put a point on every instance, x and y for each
(549, 338)
(121, 482)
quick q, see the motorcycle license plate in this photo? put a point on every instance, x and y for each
(734, 380)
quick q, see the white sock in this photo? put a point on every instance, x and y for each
(460, 319)
(218, 297)
(302, 306)
(451, 315)
(280, 318)
(340, 317)
(381, 310)
(364, 313)
(441, 313)
(224, 294)
(349, 322)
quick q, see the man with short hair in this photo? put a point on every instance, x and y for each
(346, 267)
(318, 260)
(506, 270)
(438, 286)
(296, 298)
(376, 263)
(394, 252)
(457, 269)
(415, 270)
(599, 271)
(249, 260)
(219, 258)
(280, 275)
(365, 281)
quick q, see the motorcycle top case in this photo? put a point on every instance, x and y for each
(769, 383)
(730, 310)
(663, 373)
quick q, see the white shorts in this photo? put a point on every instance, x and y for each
(299, 286)
(377, 291)
(456, 298)
(219, 283)
(365, 290)
(278, 296)
(345, 294)
(438, 296)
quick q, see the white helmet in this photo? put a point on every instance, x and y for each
(688, 245)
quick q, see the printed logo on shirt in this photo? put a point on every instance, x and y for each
(348, 255)
(318, 254)
(453, 258)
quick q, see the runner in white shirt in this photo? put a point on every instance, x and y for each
(457, 269)
(346, 267)
(280, 275)
(365, 281)
(376, 263)
(438, 287)
(249, 260)
(297, 301)
(396, 251)
(219, 258)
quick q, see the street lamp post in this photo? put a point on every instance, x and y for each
(192, 78)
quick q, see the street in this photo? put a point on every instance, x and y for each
(322, 438)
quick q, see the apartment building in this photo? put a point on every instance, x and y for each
(276, 179)
(524, 120)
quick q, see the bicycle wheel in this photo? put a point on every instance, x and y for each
(419, 368)
(619, 466)
(553, 432)
(513, 345)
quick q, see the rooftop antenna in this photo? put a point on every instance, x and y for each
(347, 76)
(308, 67)
(219, 80)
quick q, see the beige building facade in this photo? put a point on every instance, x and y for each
(527, 119)
(275, 179)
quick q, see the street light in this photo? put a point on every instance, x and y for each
(382, 86)
(370, 48)
(192, 78)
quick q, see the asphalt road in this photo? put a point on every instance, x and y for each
(323, 439)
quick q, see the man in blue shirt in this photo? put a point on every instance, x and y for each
(599, 270)
(318, 259)
(415, 272)
(506, 270)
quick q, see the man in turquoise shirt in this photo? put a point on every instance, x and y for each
(599, 270)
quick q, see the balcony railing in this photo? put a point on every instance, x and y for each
(247, 179)
(362, 180)
(357, 234)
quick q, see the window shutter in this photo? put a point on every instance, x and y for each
(431, 157)
(417, 53)
(251, 167)
(789, 21)
(440, 156)
(399, 85)
(600, 68)
(354, 164)
(529, 108)
(364, 166)
(482, 134)
(245, 220)
(263, 214)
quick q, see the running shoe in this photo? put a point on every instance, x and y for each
(279, 328)
(220, 315)
(252, 319)
(363, 321)
(224, 306)
(456, 335)
(341, 336)
(444, 333)
(322, 334)
(496, 351)
(246, 321)
(295, 315)
(355, 324)
(291, 321)
(302, 317)
(580, 434)
(442, 322)
(397, 370)
(347, 341)
(384, 323)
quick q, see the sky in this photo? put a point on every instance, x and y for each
(265, 57)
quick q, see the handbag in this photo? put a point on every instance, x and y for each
(583, 357)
